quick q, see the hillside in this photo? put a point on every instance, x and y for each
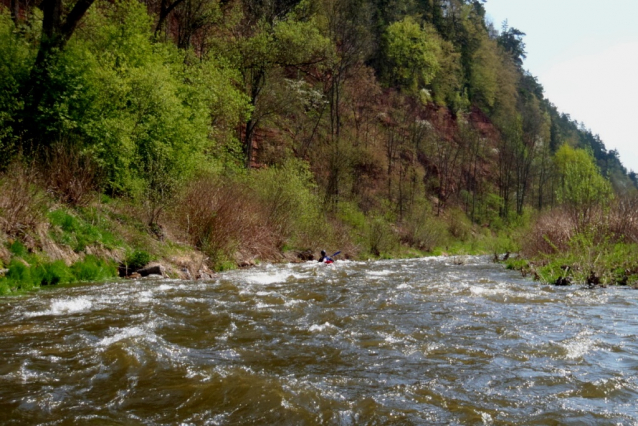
(239, 130)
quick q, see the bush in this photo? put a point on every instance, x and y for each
(551, 233)
(22, 203)
(70, 174)
(459, 225)
(380, 236)
(290, 204)
(423, 231)
(94, 269)
(137, 259)
(18, 249)
(17, 58)
(224, 218)
(52, 273)
(19, 276)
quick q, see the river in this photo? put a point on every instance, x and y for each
(400, 342)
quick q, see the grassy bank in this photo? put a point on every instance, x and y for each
(213, 222)
(567, 247)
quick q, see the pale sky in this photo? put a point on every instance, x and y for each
(585, 54)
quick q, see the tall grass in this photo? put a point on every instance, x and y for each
(24, 277)
(221, 217)
(72, 175)
(23, 204)
(602, 251)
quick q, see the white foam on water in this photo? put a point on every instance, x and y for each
(404, 286)
(486, 418)
(165, 287)
(322, 327)
(391, 339)
(383, 273)
(268, 278)
(145, 296)
(64, 306)
(578, 348)
(231, 330)
(126, 333)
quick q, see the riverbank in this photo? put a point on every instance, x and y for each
(44, 242)
(566, 247)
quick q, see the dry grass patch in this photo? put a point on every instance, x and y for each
(23, 204)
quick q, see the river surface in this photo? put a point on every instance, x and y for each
(401, 342)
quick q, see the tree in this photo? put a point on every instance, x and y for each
(57, 29)
(511, 40)
(411, 54)
(275, 44)
(581, 186)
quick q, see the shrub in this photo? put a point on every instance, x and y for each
(17, 58)
(459, 225)
(93, 269)
(52, 273)
(18, 249)
(551, 233)
(290, 204)
(22, 203)
(137, 259)
(380, 236)
(423, 231)
(623, 219)
(70, 174)
(19, 276)
(223, 218)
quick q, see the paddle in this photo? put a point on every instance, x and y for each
(336, 253)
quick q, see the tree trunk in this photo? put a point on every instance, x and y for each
(56, 32)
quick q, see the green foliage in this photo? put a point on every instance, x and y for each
(16, 248)
(23, 277)
(19, 275)
(137, 259)
(484, 72)
(582, 185)
(447, 84)
(459, 225)
(422, 230)
(411, 52)
(352, 217)
(147, 118)
(93, 269)
(590, 258)
(77, 233)
(52, 273)
(380, 237)
(292, 206)
(16, 57)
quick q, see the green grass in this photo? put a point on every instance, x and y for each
(78, 234)
(585, 261)
(22, 277)
(137, 259)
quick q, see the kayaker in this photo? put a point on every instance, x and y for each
(325, 258)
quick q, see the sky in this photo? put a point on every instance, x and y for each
(585, 54)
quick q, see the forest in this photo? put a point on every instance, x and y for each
(212, 134)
